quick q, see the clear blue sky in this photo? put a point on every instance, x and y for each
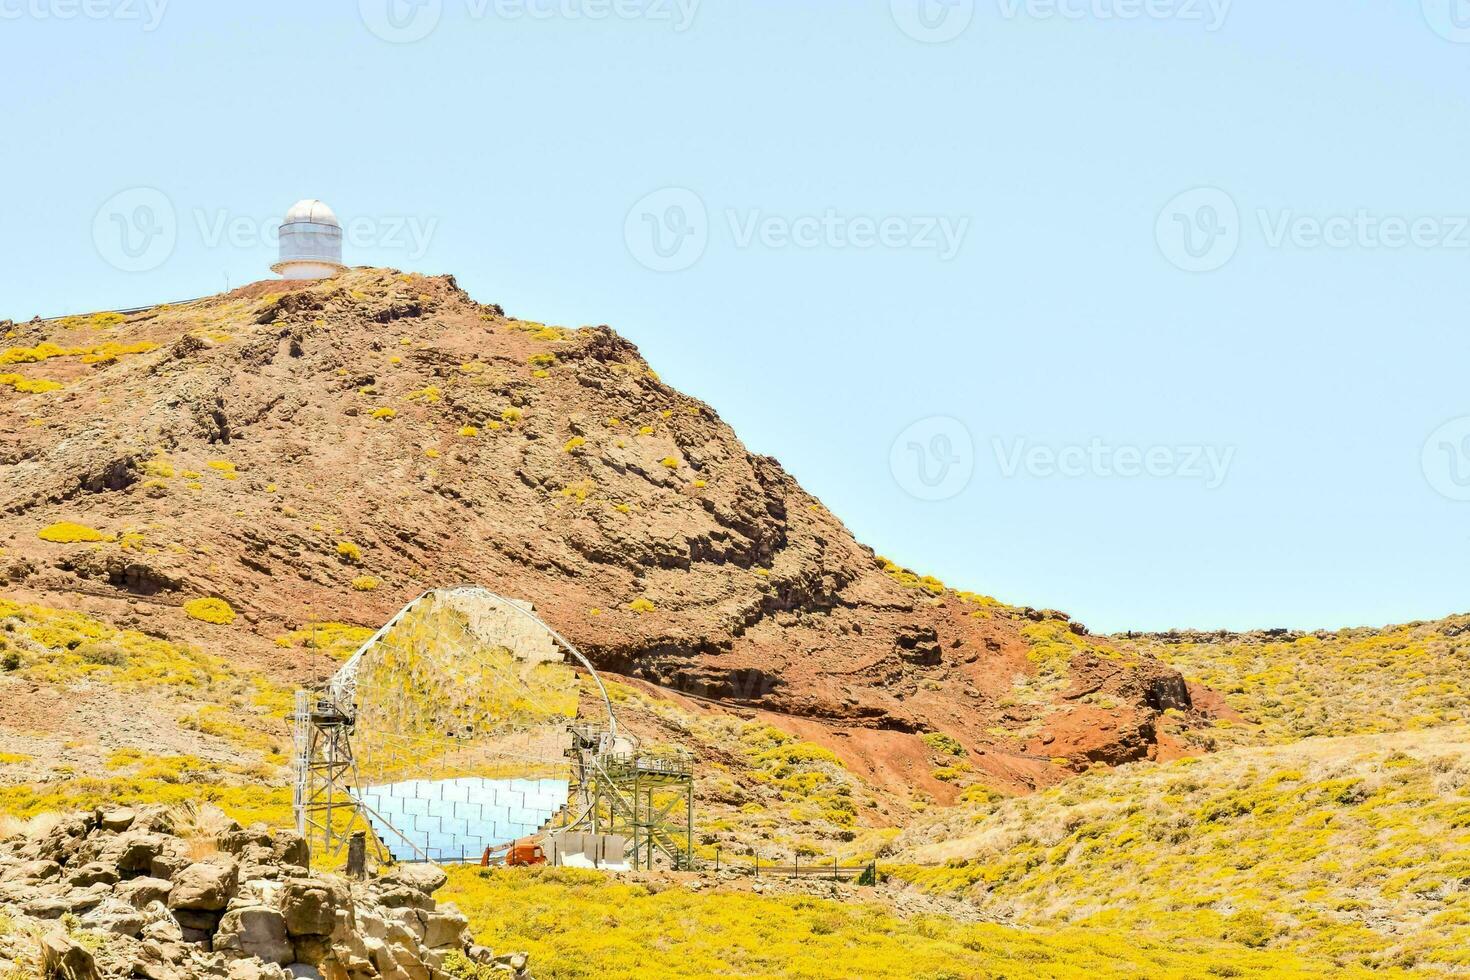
(1052, 146)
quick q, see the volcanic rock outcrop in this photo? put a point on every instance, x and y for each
(116, 893)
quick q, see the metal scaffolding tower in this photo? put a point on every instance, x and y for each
(646, 796)
(325, 772)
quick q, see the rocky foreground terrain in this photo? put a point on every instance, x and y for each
(118, 893)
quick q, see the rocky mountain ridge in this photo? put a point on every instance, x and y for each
(298, 453)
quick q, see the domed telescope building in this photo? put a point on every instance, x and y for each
(311, 242)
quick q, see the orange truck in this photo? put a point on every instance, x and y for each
(524, 853)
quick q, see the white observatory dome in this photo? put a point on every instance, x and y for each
(311, 242)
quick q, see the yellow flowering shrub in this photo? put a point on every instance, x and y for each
(57, 646)
(29, 386)
(95, 354)
(210, 610)
(66, 532)
(338, 640)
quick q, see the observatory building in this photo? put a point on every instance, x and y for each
(311, 242)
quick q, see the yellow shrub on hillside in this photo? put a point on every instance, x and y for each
(66, 532)
(339, 640)
(1337, 848)
(96, 354)
(216, 611)
(29, 386)
(61, 647)
(585, 923)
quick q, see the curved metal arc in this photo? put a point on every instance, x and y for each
(343, 685)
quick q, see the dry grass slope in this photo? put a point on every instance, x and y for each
(1354, 849)
(583, 924)
(1352, 682)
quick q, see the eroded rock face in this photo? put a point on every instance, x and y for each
(252, 911)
